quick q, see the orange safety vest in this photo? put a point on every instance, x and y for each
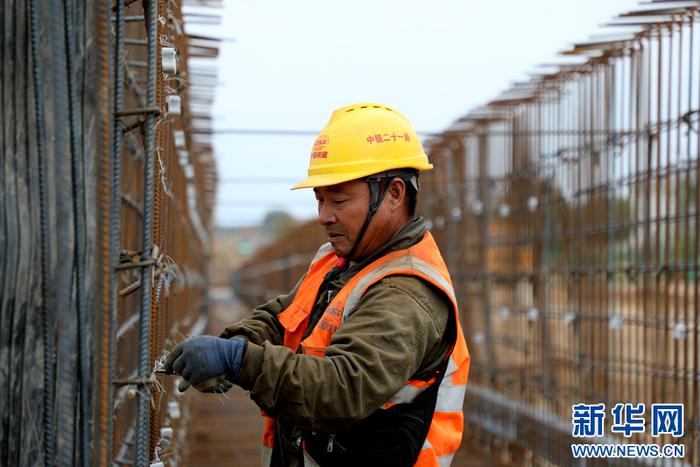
(423, 260)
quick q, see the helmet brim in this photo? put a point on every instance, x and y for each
(314, 181)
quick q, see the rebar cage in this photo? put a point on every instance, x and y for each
(567, 211)
(105, 212)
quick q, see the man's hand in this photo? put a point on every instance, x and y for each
(205, 357)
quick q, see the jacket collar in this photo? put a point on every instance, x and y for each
(405, 238)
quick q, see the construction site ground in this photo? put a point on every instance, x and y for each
(225, 430)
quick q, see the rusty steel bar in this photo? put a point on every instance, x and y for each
(105, 319)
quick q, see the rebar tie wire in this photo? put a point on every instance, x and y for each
(161, 263)
(136, 381)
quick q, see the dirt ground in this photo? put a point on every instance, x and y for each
(226, 431)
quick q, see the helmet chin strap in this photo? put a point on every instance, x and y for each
(376, 198)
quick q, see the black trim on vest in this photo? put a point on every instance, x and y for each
(388, 437)
(391, 437)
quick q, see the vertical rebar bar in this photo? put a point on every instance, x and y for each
(144, 365)
(47, 328)
(104, 324)
(484, 196)
(114, 214)
(84, 357)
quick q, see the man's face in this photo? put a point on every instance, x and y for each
(342, 210)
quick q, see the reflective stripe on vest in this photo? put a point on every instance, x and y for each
(428, 457)
(265, 456)
(422, 260)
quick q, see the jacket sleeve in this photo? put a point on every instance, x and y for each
(262, 325)
(396, 326)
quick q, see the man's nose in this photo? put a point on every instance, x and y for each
(325, 214)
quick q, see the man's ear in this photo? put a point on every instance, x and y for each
(396, 193)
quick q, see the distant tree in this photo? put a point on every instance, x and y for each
(277, 223)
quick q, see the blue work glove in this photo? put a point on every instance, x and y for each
(201, 358)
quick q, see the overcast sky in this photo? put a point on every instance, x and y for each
(293, 63)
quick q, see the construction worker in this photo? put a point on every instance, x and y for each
(364, 360)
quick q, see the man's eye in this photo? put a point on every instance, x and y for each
(339, 201)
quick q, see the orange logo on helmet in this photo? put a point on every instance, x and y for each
(320, 142)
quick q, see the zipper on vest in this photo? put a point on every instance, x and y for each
(331, 438)
(329, 294)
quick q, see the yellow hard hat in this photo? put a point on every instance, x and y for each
(361, 140)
